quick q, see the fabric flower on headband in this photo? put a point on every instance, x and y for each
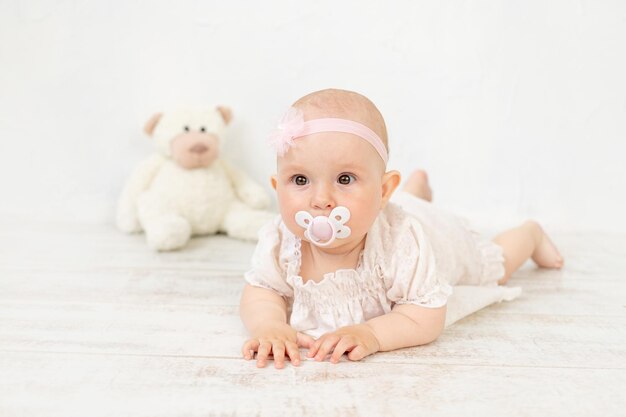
(290, 127)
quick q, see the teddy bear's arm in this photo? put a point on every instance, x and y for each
(139, 181)
(248, 191)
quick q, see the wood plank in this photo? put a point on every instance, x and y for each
(92, 322)
(216, 331)
(545, 292)
(111, 385)
(99, 248)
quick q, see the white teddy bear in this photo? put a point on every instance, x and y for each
(185, 190)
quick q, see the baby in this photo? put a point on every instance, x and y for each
(343, 269)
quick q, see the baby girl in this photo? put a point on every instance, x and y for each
(345, 270)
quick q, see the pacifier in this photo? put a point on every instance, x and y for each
(322, 230)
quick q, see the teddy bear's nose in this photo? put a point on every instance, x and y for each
(199, 148)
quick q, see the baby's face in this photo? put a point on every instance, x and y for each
(326, 170)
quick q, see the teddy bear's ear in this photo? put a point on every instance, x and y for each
(226, 113)
(151, 124)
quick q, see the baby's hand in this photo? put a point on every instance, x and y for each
(359, 340)
(276, 339)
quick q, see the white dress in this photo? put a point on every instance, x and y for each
(413, 254)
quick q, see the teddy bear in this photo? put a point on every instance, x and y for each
(185, 188)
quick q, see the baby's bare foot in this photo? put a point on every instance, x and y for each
(417, 184)
(546, 254)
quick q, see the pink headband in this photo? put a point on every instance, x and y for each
(293, 126)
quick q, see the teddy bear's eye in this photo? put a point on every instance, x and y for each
(186, 128)
(203, 129)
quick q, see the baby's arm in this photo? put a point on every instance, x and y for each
(264, 313)
(406, 325)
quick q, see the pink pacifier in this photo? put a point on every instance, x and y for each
(322, 230)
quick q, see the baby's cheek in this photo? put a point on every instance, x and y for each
(359, 227)
(362, 222)
(289, 218)
(295, 229)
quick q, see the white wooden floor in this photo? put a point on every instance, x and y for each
(94, 324)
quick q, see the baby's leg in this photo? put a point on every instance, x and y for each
(417, 184)
(527, 241)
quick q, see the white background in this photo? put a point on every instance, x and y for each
(516, 109)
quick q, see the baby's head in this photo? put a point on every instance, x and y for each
(328, 169)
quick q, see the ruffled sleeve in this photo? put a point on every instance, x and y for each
(410, 268)
(266, 271)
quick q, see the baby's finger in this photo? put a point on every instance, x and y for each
(263, 352)
(249, 348)
(358, 353)
(293, 352)
(304, 340)
(315, 346)
(326, 347)
(278, 349)
(346, 343)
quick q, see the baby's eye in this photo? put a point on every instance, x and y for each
(345, 179)
(300, 180)
(186, 128)
(203, 129)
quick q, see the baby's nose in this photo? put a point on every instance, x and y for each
(322, 199)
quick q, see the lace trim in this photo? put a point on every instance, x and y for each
(297, 255)
(436, 297)
(291, 252)
(359, 264)
(294, 260)
(338, 291)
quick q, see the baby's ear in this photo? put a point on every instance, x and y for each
(151, 124)
(391, 180)
(227, 114)
(273, 180)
